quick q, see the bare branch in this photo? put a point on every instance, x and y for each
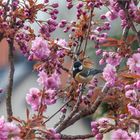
(11, 79)
(70, 137)
(87, 35)
(64, 123)
(57, 111)
(85, 112)
(85, 136)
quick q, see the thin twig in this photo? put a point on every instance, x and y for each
(135, 31)
(60, 120)
(64, 123)
(87, 35)
(80, 45)
(57, 111)
(125, 33)
(130, 21)
(10, 84)
(65, 69)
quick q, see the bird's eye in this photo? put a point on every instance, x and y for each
(73, 68)
(81, 67)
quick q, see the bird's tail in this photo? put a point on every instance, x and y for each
(96, 71)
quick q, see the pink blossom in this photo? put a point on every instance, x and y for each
(120, 134)
(62, 43)
(101, 40)
(99, 52)
(103, 122)
(12, 128)
(32, 98)
(111, 15)
(135, 136)
(54, 134)
(99, 136)
(131, 94)
(95, 131)
(133, 111)
(134, 63)
(94, 124)
(113, 58)
(109, 74)
(8, 129)
(122, 14)
(53, 81)
(50, 97)
(49, 82)
(94, 128)
(102, 61)
(3, 131)
(40, 48)
(129, 87)
(138, 84)
(42, 77)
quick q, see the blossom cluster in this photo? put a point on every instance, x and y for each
(99, 126)
(9, 130)
(49, 71)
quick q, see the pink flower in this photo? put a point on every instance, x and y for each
(50, 97)
(3, 131)
(54, 135)
(12, 128)
(94, 124)
(109, 74)
(135, 136)
(120, 134)
(103, 122)
(129, 87)
(32, 98)
(95, 131)
(99, 136)
(111, 15)
(62, 43)
(42, 77)
(133, 111)
(49, 82)
(53, 81)
(40, 48)
(138, 84)
(134, 63)
(131, 94)
(113, 58)
(8, 129)
(122, 14)
(99, 52)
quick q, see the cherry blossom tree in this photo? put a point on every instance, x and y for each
(119, 57)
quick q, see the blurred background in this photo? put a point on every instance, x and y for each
(25, 77)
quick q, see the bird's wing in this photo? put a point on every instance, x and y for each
(95, 71)
(88, 72)
(85, 72)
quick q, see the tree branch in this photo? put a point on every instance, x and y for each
(85, 112)
(70, 137)
(85, 136)
(64, 123)
(57, 111)
(10, 84)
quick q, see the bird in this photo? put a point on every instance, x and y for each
(83, 72)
